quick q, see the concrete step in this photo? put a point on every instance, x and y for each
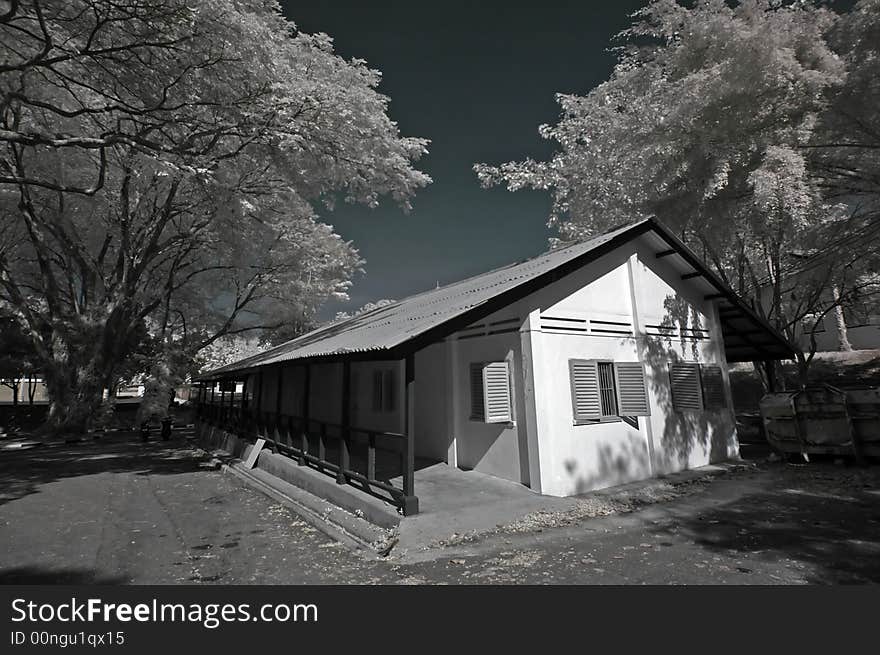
(353, 500)
(348, 514)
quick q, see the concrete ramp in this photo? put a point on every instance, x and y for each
(454, 503)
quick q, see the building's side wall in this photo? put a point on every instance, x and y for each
(325, 397)
(264, 394)
(499, 449)
(682, 440)
(268, 393)
(433, 434)
(363, 413)
(578, 458)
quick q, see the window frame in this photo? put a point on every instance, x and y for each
(384, 391)
(610, 368)
(607, 365)
(476, 372)
(708, 404)
(705, 406)
(695, 366)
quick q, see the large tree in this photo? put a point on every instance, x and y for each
(751, 129)
(162, 166)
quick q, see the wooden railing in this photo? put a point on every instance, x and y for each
(364, 458)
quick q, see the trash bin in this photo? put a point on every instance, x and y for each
(823, 420)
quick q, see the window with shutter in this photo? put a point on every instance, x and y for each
(632, 392)
(490, 392)
(586, 403)
(684, 379)
(478, 408)
(713, 386)
(496, 388)
(607, 390)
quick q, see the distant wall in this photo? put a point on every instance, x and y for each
(861, 337)
(39, 390)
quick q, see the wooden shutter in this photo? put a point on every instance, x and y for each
(632, 393)
(496, 391)
(713, 386)
(584, 378)
(684, 379)
(478, 407)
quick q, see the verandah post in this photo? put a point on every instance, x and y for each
(346, 420)
(410, 501)
(258, 397)
(278, 391)
(304, 413)
(239, 410)
(242, 406)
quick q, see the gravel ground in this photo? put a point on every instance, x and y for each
(124, 512)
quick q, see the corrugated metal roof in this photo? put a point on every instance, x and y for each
(392, 325)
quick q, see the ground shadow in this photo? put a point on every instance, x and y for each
(823, 518)
(24, 472)
(44, 576)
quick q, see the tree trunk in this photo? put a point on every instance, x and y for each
(75, 396)
(112, 390)
(81, 364)
(843, 343)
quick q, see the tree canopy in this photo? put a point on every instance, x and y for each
(750, 128)
(163, 168)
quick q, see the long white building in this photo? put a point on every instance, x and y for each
(588, 366)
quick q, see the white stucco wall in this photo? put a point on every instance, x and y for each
(578, 458)
(499, 449)
(682, 440)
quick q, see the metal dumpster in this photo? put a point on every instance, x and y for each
(823, 420)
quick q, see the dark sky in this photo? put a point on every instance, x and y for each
(476, 79)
